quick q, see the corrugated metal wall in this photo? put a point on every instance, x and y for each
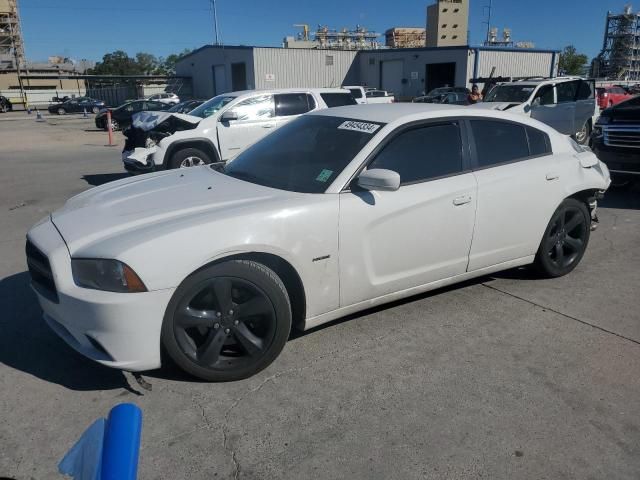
(514, 64)
(291, 68)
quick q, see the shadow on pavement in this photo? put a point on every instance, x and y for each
(626, 197)
(102, 178)
(27, 344)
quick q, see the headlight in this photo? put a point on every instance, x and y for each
(107, 275)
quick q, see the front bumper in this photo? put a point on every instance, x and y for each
(619, 160)
(119, 330)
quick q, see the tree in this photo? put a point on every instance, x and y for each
(116, 63)
(119, 63)
(571, 62)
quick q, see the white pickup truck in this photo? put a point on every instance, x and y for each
(369, 95)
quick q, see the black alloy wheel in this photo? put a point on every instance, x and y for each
(227, 321)
(565, 239)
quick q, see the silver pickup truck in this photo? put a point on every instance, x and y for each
(568, 104)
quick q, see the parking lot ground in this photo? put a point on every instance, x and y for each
(504, 377)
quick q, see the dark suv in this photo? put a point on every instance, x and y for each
(5, 104)
(616, 139)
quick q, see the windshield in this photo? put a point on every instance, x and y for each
(439, 91)
(210, 107)
(305, 155)
(510, 93)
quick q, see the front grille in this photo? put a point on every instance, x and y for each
(40, 271)
(627, 136)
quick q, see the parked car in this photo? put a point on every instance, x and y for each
(77, 105)
(220, 128)
(338, 211)
(567, 104)
(5, 104)
(359, 92)
(166, 97)
(379, 96)
(449, 98)
(121, 116)
(611, 95)
(616, 139)
(439, 95)
(186, 106)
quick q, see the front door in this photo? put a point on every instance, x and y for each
(556, 106)
(421, 233)
(256, 118)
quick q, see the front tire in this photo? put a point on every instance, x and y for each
(227, 321)
(95, 110)
(61, 111)
(565, 239)
(189, 157)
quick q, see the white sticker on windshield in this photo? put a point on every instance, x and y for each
(363, 127)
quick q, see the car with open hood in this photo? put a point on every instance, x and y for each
(568, 104)
(121, 117)
(221, 128)
(335, 212)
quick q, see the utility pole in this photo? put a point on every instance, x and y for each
(489, 7)
(215, 20)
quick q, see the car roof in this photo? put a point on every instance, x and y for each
(285, 90)
(387, 112)
(406, 112)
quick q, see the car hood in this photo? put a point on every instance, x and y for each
(165, 199)
(501, 106)
(149, 120)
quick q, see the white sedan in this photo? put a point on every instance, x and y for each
(337, 211)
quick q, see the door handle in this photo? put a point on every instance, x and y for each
(552, 176)
(268, 125)
(462, 200)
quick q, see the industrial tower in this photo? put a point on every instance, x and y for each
(11, 44)
(619, 58)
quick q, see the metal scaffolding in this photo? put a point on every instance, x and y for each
(619, 58)
(11, 44)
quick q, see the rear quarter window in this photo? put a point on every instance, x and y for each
(338, 99)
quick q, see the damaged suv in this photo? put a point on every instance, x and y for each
(567, 104)
(220, 128)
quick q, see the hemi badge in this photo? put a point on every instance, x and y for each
(321, 258)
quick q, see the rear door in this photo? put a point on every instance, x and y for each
(292, 105)
(585, 103)
(396, 240)
(256, 118)
(519, 188)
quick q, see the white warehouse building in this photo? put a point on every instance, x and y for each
(407, 72)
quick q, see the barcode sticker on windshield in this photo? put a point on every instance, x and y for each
(363, 127)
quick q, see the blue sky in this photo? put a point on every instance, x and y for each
(90, 28)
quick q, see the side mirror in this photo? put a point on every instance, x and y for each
(228, 116)
(379, 179)
(526, 108)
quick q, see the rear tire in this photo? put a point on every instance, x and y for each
(227, 321)
(565, 239)
(189, 157)
(584, 134)
(61, 111)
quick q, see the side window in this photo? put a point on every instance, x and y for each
(338, 99)
(539, 143)
(545, 95)
(291, 104)
(129, 108)
(356, 92)
(567, 91)
(255, 108)
(586, 90)
(499, 142)
(423, 153)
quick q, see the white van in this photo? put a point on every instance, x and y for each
(220, 128)
(568, 104)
